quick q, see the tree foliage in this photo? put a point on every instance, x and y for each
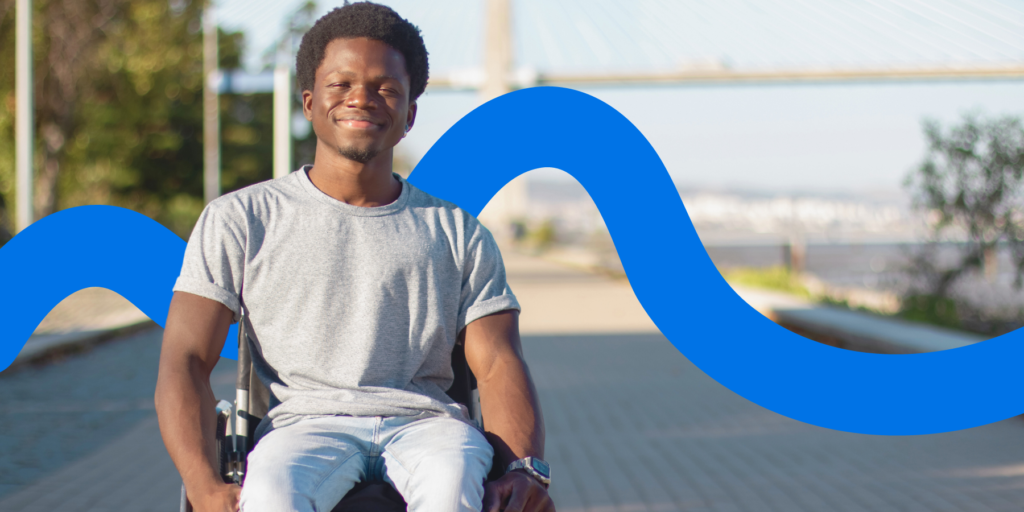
(971, 185)
(118, 109)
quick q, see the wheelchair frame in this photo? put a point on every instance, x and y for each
(236, 424)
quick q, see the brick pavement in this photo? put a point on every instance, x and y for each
(632, 426)
(60, 415)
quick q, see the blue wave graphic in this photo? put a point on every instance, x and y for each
(83, 247)
(667, 266)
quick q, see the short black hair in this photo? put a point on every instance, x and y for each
(369, 20)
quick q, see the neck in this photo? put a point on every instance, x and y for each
(359, 184)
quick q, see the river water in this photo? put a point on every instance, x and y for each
(876, 266)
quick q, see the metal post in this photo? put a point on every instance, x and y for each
(282, 121)
(23, 114)
(211, 108)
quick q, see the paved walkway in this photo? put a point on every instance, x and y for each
(632, 426)
(560, 300)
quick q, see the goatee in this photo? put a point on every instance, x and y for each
(359, 155)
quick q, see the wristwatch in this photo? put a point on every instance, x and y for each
(535, 467)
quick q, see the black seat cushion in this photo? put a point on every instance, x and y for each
(371, 497)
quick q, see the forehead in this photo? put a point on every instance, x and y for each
(362, 54)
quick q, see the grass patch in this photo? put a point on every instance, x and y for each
(933, 310)
(927, 309)
(776, 278)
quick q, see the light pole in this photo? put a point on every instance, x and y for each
(282, 119)
(211, 107)
(23, 114)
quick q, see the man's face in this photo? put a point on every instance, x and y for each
(360, 104)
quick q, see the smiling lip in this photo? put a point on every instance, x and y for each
(359, 123)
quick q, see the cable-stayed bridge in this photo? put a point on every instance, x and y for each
(643, 41)
(494, 46)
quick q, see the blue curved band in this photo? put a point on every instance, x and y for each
(666, 263)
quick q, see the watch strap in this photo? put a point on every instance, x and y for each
(537, 468)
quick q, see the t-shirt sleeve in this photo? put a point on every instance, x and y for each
(484, 289)
(215, 258)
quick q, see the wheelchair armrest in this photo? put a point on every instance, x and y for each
(225, 441)
(225, 450)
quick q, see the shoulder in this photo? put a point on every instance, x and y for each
(257, 200)
(461, 227)
(422, 203)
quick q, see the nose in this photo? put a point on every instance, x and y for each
(360, 98)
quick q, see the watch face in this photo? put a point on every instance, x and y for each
(541, 467)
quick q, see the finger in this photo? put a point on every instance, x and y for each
(236, 495)
(492, 498)
(546, 504)
(519, 495)
(538, 500)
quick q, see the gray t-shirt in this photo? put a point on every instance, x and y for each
(353, 310)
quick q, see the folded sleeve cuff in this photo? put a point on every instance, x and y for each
(210, 291)
(489, 307)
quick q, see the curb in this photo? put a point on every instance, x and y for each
(865, 332)
(853, 330)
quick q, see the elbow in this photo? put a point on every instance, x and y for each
(159, 394)
(502, 367)
(175, 380)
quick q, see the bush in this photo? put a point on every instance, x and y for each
(931, 309)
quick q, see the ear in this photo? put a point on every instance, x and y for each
(307, 104)
(410, 118)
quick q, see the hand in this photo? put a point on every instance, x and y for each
(223, 498)
(517, 491)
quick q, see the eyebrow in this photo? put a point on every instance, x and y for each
(378, 77)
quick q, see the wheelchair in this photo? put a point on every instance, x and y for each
(236, 427)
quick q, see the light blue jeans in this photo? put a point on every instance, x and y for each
(436, 464)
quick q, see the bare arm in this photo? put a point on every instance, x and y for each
(193, 339)
(511, 411)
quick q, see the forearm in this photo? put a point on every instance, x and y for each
(185, 407)
(511, 411)
(193, 339)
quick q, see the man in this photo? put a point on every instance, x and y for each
(357, 286)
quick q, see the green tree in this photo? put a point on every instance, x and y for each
(971, 187)
(118, 103)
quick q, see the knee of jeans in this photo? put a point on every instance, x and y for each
(275, 487)
(469, 463)
(447, 483)
(266, 498)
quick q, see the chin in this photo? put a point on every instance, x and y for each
(361, 155)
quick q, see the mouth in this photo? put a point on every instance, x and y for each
(360, 123)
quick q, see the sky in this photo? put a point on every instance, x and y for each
(823, 138)
(860, 139)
